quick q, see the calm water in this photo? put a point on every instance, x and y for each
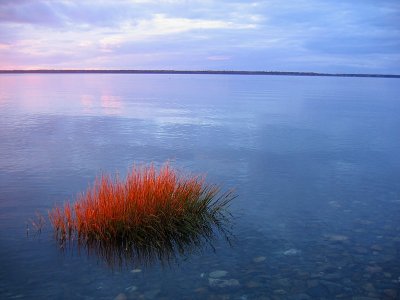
(315, 162)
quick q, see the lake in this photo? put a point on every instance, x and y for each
(315, 162)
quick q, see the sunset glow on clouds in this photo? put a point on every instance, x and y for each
(323, 36)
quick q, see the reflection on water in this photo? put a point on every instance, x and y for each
(106, 104)
(315, 162)
(111, 104)
(129, 255)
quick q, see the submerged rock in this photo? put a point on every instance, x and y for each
(318, 291)
(280, 292)
(301, 296)
(337, 237)
(200, 290)
(218, 274)
(152, 294)
(376, 248)
(369, 287)
(373, 269)
(391, 293)
(121, 296)
(291, 252)
(136, 271)
(333, 288)
(223, 283)
(259, 259)
(252, 284)
(332, 276)
(131, 288)
(282, 282)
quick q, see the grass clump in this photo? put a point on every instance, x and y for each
(149, 210)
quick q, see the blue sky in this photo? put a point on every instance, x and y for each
(355, 36)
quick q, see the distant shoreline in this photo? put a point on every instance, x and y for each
(212, 72)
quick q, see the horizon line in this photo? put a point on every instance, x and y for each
(216, 72)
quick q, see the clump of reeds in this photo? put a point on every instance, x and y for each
(148, 210)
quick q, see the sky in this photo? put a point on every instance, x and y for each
(336, 36)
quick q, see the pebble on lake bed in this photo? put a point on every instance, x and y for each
(223, 283)
(376, 248)
(280, 292)
(252, 284)
(136, 271)
(373, 269)
(218, 274)
(336, 237)
(131, 288)
(152, 294)
(291, 252)
(121, 296)
(391, 293)
(259, 259)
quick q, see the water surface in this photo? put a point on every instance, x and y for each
(314, 160)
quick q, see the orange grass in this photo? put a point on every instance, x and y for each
(149, 209)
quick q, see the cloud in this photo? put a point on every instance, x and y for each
(160, 26)
(28, 12)
(301, 35)
(219, 57)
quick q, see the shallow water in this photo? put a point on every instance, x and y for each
(314, 160)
